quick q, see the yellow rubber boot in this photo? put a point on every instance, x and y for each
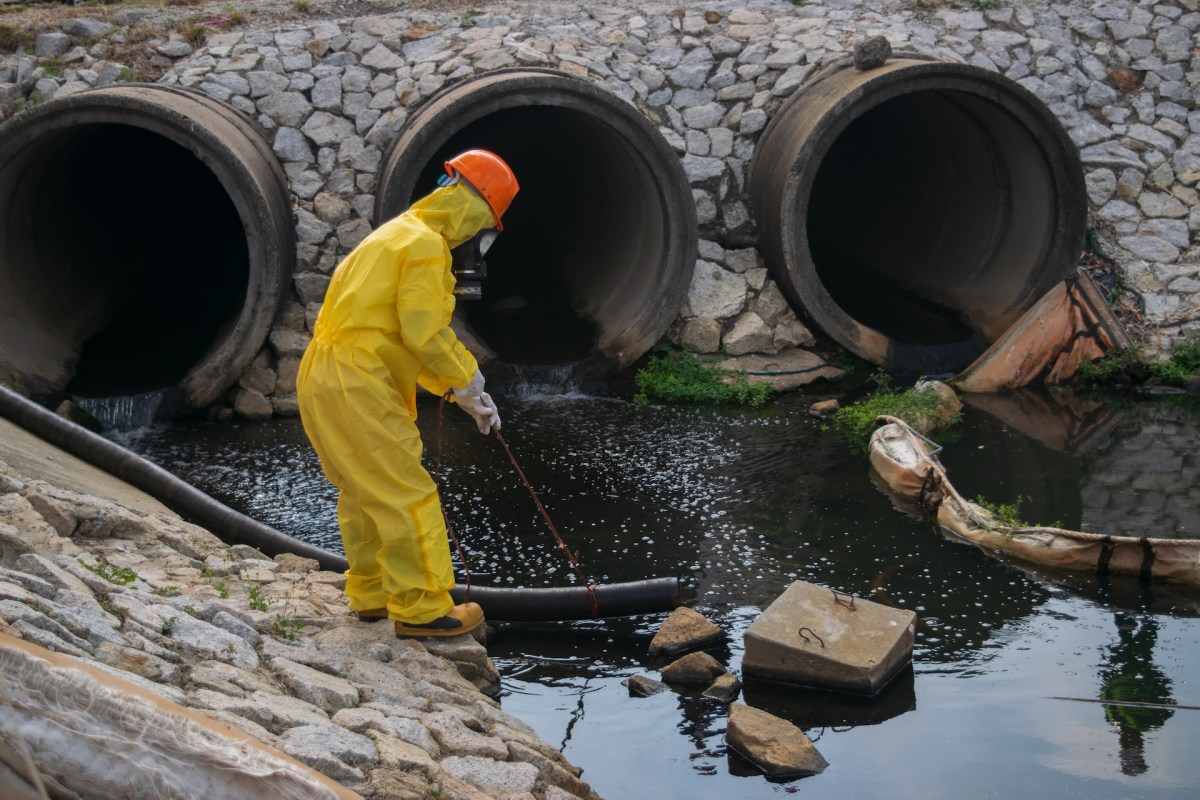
(463, 618)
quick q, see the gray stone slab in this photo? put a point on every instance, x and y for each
(810, 638)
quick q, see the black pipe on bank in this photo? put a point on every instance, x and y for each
(515, 605)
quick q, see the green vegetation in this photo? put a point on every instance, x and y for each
(1009, 513)
(127, 75)
(12, 39)
(1116, 366)
(222, 589)
(167, 591)
(257, 601)
(681, 377)
(168, 626)
(1119, 367)
(235, 15)
(287, 628)
(923, 409)
(120, 576)
(193, 34)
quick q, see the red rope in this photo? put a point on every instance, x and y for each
(572, 558)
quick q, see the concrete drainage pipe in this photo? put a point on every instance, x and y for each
(147, 242)
(915, 210)
(599, 246)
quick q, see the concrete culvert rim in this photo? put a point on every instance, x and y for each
(148, 241)
(914, 211)
(598, 247)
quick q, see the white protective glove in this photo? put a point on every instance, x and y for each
(478, 403)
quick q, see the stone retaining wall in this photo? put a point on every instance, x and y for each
(330, 96)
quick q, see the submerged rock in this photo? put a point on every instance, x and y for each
(684, 630)
(694, 668)
(725, 688)
(642, 686)
(774, 745)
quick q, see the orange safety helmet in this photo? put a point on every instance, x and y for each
(489, 175)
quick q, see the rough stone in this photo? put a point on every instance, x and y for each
(776, 746)
(490, 775)
(701, 335)
(643, 686)
(684, 629)
(693, 668)
(715, 293)
(786, 370)
(749, 334)
(872, 53)
(724, 689)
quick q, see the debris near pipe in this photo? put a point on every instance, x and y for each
(1070, 325)
(872, 53)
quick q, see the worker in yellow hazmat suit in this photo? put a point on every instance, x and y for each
(384, 329)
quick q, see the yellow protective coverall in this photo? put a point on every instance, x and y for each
(385, 328)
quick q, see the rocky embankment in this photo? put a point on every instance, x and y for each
(266, 646)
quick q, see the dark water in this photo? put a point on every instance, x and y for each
(740, 503)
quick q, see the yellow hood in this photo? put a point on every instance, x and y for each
(456, 212)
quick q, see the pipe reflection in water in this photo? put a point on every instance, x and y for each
(739, 503)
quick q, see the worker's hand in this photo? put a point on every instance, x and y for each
(482, 409)
(472, 389)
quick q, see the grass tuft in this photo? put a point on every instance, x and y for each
(681, 377)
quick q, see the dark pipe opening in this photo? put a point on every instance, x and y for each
(138, 287)
(915, 211)
(599, 245)
(147, 242)
(527, 314)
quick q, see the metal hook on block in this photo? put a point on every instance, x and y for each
(843, 599)
(814, 633)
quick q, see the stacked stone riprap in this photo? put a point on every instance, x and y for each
(267, 646)
(1122, 77)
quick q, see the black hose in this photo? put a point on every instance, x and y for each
(516, 605)
(176, 494)
(574, 602)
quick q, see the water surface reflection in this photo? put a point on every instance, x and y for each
(740, 503)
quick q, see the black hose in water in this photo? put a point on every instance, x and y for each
(516, 605)
(176, 494)
(574, 602)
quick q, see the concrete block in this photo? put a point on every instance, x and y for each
(810, 637)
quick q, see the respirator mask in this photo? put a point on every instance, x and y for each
(468, 265)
